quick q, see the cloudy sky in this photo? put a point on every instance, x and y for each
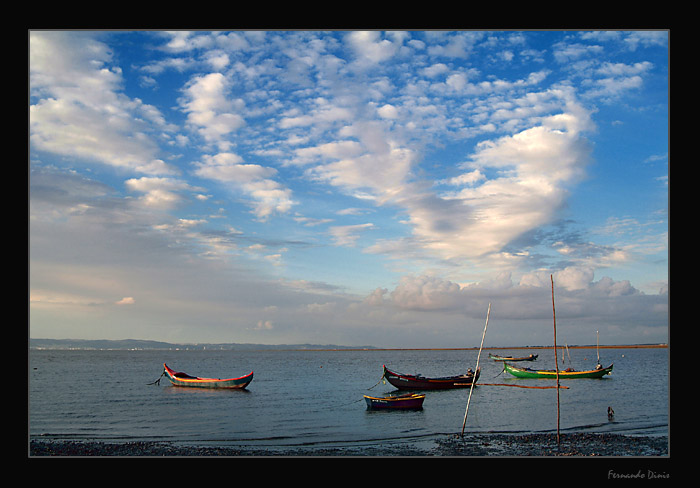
(354, 188)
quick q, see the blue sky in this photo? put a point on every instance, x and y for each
(346, 187)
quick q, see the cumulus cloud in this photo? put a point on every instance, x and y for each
(328, 151)
(388, 111)
(210, 110)
(370, 48)
(581, 301)
(80, 110)
(568, 279)
(159, 193)
(454, 46)
(426, 293)
(267, 195)
(516, 183)
(379, 165)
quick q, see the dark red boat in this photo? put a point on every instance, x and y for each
(418, 382)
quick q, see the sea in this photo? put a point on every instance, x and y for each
(310, 399)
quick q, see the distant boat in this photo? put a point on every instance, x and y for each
(183, 379)
(409, 401)
(418, 382)
(531, 357)
(552, 374)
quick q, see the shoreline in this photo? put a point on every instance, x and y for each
(502, 348)
(476, 445)
(360, 348)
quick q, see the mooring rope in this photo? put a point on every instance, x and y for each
(157, 382)
(523, 386)
(380, 380)
(361, 399)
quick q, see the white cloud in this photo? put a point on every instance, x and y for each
(613, 87)
(532, 171)
(469, 178)
(159, 193)
(347, 235)
(210, 110)
(322, 114)
(426, 293)
(622, 69)
(229, 167)
(218, 59)
(568, 279)
(388, 112)
(268, 196)
(646, 38)
(566, 53)
(381, 174)
(80, 110)
(381, 169)
(370, 48)
(328, 151)
(458, 45)
(582, 306)
(436, 70)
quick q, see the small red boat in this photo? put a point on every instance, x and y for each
(183, 379)
(410, 401)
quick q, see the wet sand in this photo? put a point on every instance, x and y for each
(492, 445)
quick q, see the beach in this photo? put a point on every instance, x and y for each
(503, 445)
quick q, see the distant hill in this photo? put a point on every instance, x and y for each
(142, 344)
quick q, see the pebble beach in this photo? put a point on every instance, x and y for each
(495, 445)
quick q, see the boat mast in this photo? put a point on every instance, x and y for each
(556, 362)
(471, 388)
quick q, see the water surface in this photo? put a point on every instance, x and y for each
(314, 398)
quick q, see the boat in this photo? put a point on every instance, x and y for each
(409, 401)
(531, 357)
(418, 382)
(552, 374)
(184, 379)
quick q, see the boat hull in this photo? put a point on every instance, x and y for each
(563, 375)
(531, 357)
(414, 382)
(404, 402)
(183, 379)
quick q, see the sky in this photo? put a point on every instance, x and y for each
(358, 188)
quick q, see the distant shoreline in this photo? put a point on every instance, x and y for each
(593, 346)
(135, 344)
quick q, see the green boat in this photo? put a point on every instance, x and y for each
(552, 374)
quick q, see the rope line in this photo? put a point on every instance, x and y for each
(523, 386)
(157, 382)
(380, 380)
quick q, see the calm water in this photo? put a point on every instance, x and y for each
(314, 398)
